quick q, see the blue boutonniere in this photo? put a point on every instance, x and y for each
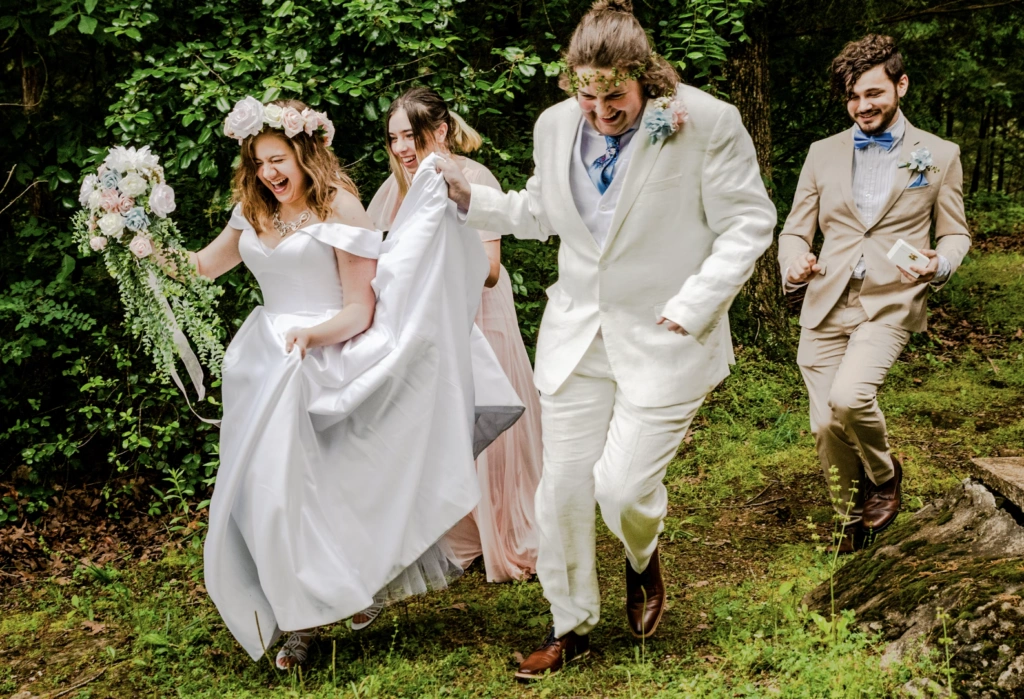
(921, 163)
(667, 117)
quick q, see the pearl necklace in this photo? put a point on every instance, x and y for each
(286, 227)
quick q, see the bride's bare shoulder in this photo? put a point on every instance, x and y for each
(347, 209)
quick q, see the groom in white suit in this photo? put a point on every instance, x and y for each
(658, 235)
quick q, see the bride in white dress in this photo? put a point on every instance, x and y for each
(350, 425)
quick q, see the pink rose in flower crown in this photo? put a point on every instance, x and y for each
(328, 129)
(141, 246)
(98, 243)
(245, 120)
(292, 122)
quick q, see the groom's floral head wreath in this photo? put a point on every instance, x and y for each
(610, 38)
(309, 133)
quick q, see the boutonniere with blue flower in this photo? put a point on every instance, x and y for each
(667, 116)
(921, 163)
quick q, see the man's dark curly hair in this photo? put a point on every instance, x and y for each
(858, 57)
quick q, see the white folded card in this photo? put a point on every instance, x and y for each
(903, 255)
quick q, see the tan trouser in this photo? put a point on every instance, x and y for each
(844, 361)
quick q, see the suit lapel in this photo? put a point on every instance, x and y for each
(564, 150)
(844, 157)
(640, 164)
(900, 181)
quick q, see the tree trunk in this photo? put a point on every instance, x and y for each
(980, 156)
(748, 81)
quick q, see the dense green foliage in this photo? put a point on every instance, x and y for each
(79, 399)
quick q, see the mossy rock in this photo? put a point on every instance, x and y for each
(962, 554)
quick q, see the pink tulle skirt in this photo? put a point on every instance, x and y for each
(503, 528)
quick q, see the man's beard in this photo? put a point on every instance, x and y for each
(888, 116)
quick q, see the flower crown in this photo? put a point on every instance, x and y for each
(250, 116)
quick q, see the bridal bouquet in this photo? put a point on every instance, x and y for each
(126, 205)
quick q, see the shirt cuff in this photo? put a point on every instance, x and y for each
(943, 273)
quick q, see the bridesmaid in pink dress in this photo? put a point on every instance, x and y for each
(503, 527)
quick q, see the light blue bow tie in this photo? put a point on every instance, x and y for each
(602, 170)
(861, 140)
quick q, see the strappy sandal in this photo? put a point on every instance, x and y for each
(294, 650)
(368, 615)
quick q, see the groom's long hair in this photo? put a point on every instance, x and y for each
(609, 37)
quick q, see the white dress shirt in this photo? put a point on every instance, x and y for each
(597, 209)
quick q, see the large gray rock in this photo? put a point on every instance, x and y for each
(962, 553)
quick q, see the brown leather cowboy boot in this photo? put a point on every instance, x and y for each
(645, 597)
(552, 656)
(882, 503)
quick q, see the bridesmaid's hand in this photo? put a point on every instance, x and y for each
(298, 337)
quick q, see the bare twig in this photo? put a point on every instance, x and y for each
(766, 489)
(75, 686)
(8, 181)
(11, 202)
(215, 74)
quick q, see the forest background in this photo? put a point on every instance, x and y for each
(79, 401)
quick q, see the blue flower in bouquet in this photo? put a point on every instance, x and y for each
(136, 219)
(109, 179)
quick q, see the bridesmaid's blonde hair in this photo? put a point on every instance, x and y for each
(427, 110)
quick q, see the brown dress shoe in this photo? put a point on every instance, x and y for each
(552, 656)
(852, 540)
(645, 597)
(882, 503)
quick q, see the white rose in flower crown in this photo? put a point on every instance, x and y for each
(97, 243)
(161, 200)
(133, 184)
(141, 246)
(245, 120)
(89, 185)
(112, 225)
(292, 122)
(273, 115)
(95, 199)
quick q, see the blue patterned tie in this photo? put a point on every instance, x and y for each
(861, 140)
(602, 170)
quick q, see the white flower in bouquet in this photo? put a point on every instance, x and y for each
(136, 219)
(273, 115)
(133, 184)
(141, 246)
(292, 122)
(97, 243)
(161, 200)
(126, 159)
(89, 185)
(112, 225)
(245, 120)
(95, 199)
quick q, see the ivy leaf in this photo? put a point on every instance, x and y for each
(60, 24)
(90, 5)
(370, 111)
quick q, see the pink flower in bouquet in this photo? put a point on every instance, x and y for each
(292, 121)
(92, 224)
(97, 243)
(112, 201)
(161, 200)
(141, 246)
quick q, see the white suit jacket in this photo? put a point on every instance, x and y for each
(692, 219)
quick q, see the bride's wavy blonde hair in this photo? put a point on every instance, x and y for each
(427, 110)
(315, 159)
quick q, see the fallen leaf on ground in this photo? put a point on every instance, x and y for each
(93, 627)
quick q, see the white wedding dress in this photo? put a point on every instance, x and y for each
(341, 472)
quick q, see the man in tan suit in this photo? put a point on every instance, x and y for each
(881, 181)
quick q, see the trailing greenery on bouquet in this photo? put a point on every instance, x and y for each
(126, 205)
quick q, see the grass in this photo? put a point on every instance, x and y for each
(737, 556)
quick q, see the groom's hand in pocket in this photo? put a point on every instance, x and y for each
(674, 327)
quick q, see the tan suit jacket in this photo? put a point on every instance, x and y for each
(824, 200)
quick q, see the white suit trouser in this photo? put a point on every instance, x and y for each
(599, 447)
